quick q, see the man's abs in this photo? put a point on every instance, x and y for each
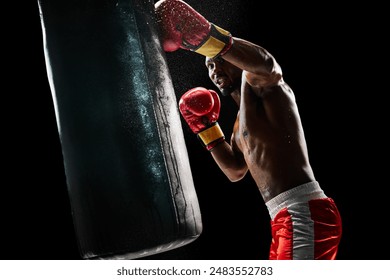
(274, 164)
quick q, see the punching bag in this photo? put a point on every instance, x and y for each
(126, 164)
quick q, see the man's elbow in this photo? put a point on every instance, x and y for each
(236, 175)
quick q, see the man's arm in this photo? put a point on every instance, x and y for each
(200, 109)
(230, 160)
(260, 67)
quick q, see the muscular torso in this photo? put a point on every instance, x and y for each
(269, 134)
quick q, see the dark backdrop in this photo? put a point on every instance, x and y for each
(327, 56)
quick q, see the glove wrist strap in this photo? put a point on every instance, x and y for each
(210, 135)
(212, 145)
(216, 43)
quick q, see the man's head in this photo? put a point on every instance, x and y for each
(224, 75)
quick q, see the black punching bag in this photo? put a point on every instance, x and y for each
(128, 174)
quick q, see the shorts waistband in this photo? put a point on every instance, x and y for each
(299, 194)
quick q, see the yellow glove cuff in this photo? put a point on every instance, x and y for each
(218, 40)
(211, 134)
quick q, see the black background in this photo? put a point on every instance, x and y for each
(328, 56)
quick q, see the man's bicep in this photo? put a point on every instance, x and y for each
(262, 80)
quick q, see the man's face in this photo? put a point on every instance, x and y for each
(224, 75)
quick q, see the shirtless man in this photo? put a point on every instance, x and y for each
(268, 138)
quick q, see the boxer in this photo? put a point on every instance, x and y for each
(268, 139)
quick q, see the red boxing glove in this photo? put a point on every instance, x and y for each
(200, 108)
(183, 27)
